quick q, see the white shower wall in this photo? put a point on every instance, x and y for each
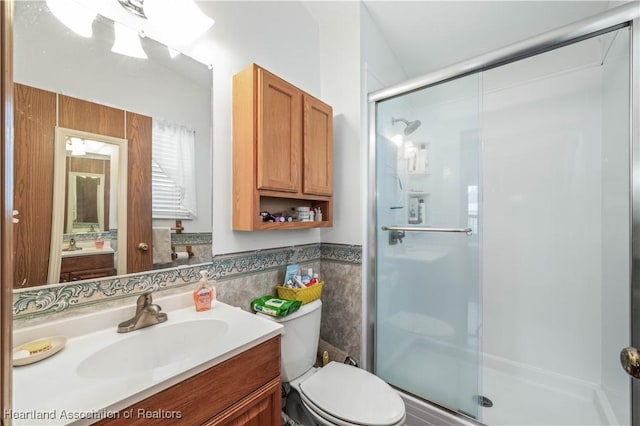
(542, 224)
(555, 223)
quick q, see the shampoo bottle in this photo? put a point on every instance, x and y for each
(204, 295)
(422, 211)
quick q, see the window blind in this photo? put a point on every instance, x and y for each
(173, 171)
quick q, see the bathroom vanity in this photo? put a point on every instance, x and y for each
(217, 367)
(86, 266)
(243, 390)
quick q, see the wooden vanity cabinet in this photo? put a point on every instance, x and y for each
(244, 390)
(86, 267)
(282, 151)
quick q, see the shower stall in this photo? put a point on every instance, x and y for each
(506, 191)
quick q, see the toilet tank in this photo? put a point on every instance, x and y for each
(299, 342)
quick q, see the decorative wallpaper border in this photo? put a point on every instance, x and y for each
(89, 236)
(187, 238)
(56, 298)
(192, 238)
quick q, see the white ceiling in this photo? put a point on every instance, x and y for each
(429, 35)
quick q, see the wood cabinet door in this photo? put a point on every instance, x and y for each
(260, 408)
(318, 147)
(139, 193)
(279, 134)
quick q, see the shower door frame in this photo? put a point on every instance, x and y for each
(622, 16)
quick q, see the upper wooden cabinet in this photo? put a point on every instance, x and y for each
(279, 134)
(282, 151)
(318, 151)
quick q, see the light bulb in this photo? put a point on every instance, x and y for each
(127, 42)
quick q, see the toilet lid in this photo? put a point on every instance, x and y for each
(353, 395)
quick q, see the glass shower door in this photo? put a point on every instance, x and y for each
(427, 236)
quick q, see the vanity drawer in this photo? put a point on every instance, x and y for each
(86, 262)
(86, 267)
(218, 390)
(91, 274)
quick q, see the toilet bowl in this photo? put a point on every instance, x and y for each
(340, 394)
(336, 394)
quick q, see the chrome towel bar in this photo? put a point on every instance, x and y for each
(467, 231)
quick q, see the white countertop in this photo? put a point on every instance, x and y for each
(50, 392)
(85, 251)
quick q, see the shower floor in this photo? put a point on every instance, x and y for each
(518, 401)
(431, 368)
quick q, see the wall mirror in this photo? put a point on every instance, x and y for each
(77, 90)
(89, 200)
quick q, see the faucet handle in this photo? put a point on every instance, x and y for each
(144, 300)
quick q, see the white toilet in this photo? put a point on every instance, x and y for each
(337, 394)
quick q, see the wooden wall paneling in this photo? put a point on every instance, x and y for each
(87, 116)
(139, 193)
(34, 133)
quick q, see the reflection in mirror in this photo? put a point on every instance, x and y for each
(85, 202)
(88, 168)
(88, 236)
(54, 65)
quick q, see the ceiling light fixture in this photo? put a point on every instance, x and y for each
(134, 6)
(127, 42)
(74, 16)
(173, 52)
(181, 21)
(174, 23)
(77, 146)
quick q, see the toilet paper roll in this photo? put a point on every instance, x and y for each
(182, 255)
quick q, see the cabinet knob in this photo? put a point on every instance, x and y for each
(143, 246)
(15, 216)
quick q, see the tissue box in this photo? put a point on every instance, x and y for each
(304, 295)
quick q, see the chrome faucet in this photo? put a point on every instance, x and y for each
(72, 246)
(147, 313)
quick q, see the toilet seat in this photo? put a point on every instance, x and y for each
(349, 396)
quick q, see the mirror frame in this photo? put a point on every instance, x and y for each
(59, 187)
(6, 204)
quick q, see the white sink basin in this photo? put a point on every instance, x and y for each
(100, 370)
(154, 347)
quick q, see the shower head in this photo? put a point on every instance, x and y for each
(411, 126)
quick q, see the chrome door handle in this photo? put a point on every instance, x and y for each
(630, 360)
